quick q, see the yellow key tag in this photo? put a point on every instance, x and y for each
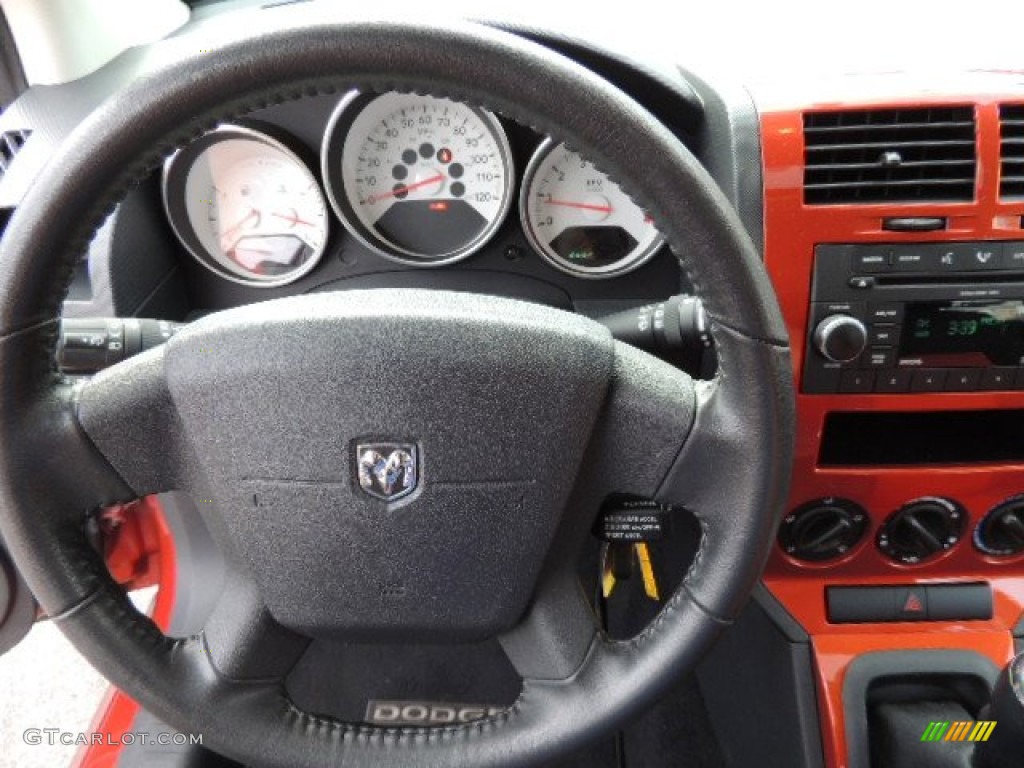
(647, 571)
(607, 582)
(643, 556)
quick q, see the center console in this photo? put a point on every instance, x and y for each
(894, 240)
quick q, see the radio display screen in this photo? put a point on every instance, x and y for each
(967, 334)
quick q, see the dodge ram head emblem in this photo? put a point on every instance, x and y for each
(387, 471)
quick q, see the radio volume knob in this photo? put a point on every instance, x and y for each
(840, 338)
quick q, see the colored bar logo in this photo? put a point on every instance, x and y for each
(968, 730)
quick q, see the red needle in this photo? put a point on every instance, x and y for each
(404, 188)
(293, 218)
(250, 249)
(581, 206)
(228, 232)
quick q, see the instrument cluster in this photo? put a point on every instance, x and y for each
(419, 180)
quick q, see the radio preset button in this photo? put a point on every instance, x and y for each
(997, 378)
(928, 380)
(893, 382)
(963, 380)
(856, 382)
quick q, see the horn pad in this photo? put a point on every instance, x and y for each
(390, 464)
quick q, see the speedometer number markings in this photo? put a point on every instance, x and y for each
(427, 180)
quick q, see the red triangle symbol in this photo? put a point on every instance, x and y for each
(913, 604)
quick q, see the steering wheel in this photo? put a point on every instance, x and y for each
(523, 419)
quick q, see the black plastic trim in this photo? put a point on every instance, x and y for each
(728, 143)
(776, 611)
(759, 690)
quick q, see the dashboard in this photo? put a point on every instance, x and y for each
(891, 222)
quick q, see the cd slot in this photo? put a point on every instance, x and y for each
(947, 279)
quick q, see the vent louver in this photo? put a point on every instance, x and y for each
(1011, 151)
(890, 155)
(10, 143)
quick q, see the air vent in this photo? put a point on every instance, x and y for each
(890, 156)
(1011, 151)
(10, 143)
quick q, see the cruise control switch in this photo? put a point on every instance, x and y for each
(87, 345)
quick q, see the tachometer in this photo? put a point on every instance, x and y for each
(246, 207)
(418, 179)
(579, 220)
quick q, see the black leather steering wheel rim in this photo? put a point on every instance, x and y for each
(732, 472)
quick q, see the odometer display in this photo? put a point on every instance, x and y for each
(416, 178)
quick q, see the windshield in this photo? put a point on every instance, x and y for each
(767, 40)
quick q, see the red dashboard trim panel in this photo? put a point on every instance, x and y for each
(792, 230)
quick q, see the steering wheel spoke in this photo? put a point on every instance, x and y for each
(552, 640)
(127, 412)
(242, 639)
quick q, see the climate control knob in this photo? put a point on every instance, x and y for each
(840, 338)
(1001, 532)
(822, 529)
(921, 529)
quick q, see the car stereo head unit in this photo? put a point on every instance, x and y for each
(936, 317)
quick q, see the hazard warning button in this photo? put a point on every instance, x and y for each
(914, 602)
(911, 603)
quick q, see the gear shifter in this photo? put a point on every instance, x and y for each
(1005, 747)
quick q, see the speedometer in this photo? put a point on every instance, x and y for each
(580, 220)
(418, 179)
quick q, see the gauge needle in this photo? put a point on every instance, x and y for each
(404, 188)
(293, 218)
(581, 206)
(226, 234)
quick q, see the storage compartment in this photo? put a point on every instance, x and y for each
(922, 438)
